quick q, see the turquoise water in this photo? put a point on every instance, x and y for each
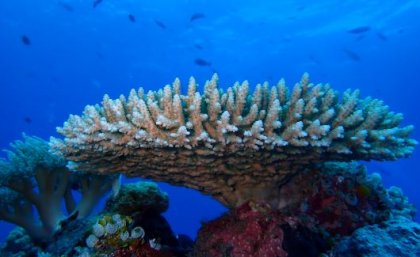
(58, 56)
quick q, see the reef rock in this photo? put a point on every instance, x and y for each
(396, 237)
(138, 198)
(250, 230)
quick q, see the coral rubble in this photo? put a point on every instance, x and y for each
(233, 145)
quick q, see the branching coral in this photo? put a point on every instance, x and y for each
(233, 145)
(33, 177)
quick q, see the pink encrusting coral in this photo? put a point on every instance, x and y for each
(232, 144)
(250, 230)
(322, 205)
(336, 198)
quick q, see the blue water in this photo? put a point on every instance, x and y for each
(77, 53)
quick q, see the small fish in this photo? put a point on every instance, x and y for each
(65, 222)
(313, 59)
(287, 38)
(359, 30)
(100, 56)
(132, 18)
(382, 36)
(96, 3)
(359, 37)
(25, 40)
(352, 55)
(197, 16)
(27, 120)
(202, 62)
(160, 24)
(116, 186)
(198, 46)
(66, 6)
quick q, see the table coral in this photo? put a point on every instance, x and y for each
(231, 144)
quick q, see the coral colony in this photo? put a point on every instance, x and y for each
(233, 145)
(282, 161)
(35, 178)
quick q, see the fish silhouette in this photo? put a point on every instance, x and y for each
(96, 3)
(27, 120)
(202, 62)
(160, 24)
(197, 16)
(132, 18)
(66, 6)
(198, 46)
(352, 55)
(382, 36)
(359, 30)
(25, 40)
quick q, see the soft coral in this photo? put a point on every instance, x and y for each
(34, 177)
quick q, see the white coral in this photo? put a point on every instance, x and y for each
(231, 143)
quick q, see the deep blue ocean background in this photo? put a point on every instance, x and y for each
(73, 54)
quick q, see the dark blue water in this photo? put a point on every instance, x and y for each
(58, 56)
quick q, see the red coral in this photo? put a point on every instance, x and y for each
(335, 199)
(343, 205)
(140, 249)
(252, 230)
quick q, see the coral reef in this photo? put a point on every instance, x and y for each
(328, 210)
(70, 240)
(112, 236)
(336, 209)
(32, 177)
(281, 161)
(140, 249)
(399, 235)
(233, 145)
(138, 198)
(255, 229)
(396, 237)
(399, 204)
(18, 244)
(250, 230)
(144, 203)
(336, 198)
